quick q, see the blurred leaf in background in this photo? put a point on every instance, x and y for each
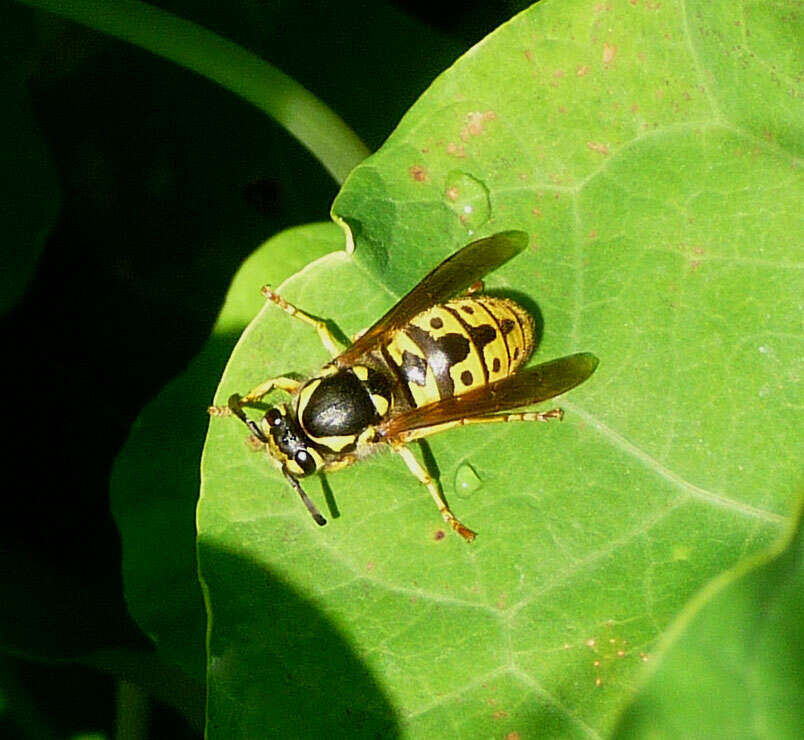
(732, 664)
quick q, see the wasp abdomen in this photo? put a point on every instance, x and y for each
(460, 345)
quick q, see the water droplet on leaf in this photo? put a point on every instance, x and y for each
(467, 481)
(468, 199)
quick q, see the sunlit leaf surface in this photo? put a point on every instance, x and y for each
(650, 150)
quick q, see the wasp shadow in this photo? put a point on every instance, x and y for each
(329, 497)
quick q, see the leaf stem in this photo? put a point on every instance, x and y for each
(236, 69)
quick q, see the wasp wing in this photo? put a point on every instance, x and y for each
(453, 275)
(524, 388)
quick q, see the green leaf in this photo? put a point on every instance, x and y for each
(731, 666)
(155, 477)
(664, 229)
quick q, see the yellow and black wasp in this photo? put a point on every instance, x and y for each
(432, 362)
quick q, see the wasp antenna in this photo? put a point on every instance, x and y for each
(311, 507)
(256, 431)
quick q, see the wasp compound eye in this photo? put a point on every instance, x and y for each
(305, 461)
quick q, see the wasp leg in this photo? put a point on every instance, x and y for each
(234, 406)
(426, 479)
(324, 334)
(343, 462)
(496, 419)
(518, 416)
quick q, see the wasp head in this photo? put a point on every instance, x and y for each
(288, 443)
(290, 447)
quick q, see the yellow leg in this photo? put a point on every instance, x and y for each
(236, 402)
(325, 335)
(518, 416)
(496, 419)
(343, 462)
(426, 479)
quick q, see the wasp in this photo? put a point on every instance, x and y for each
(446, 355)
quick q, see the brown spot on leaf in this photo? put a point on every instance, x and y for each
(418, 173)
(455, 150)
(597, 146)
(439, 535)
(609, 53)
(582, 70)
(500, 714)
(537, 212)
(475, 123)
(452, 193)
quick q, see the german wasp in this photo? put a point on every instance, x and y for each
(445, 355)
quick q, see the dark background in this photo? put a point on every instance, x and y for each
(166, 183)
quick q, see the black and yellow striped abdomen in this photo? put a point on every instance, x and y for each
(460, 345)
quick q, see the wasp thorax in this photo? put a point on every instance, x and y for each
(288, 443)
(334, 408)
